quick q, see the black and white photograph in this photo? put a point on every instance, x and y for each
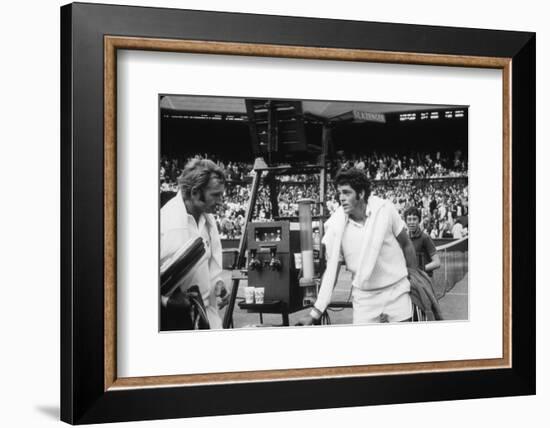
(291, 212)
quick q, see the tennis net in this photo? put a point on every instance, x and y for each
(454, 266)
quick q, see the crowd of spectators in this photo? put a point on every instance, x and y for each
(170, 169)
(435, 183)
(443, 203)
(405, 166)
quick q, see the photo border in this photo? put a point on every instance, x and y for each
(91, 391)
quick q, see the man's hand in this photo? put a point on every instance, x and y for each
(306, 320)
(222, 293)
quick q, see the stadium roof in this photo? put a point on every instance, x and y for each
(324, 109)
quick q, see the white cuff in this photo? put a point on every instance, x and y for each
(315, 313)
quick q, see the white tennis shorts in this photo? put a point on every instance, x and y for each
(389, 304)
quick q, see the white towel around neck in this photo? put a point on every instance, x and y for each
(371, 245)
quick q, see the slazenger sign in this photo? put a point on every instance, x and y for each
(370, 117)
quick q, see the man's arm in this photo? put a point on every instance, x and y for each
(408, 249)
(323, 300)
(435, 263)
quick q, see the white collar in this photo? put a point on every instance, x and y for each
(203, 218)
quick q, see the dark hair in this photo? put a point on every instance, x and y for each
(354, 177)
(413, 211)
(197, 174)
